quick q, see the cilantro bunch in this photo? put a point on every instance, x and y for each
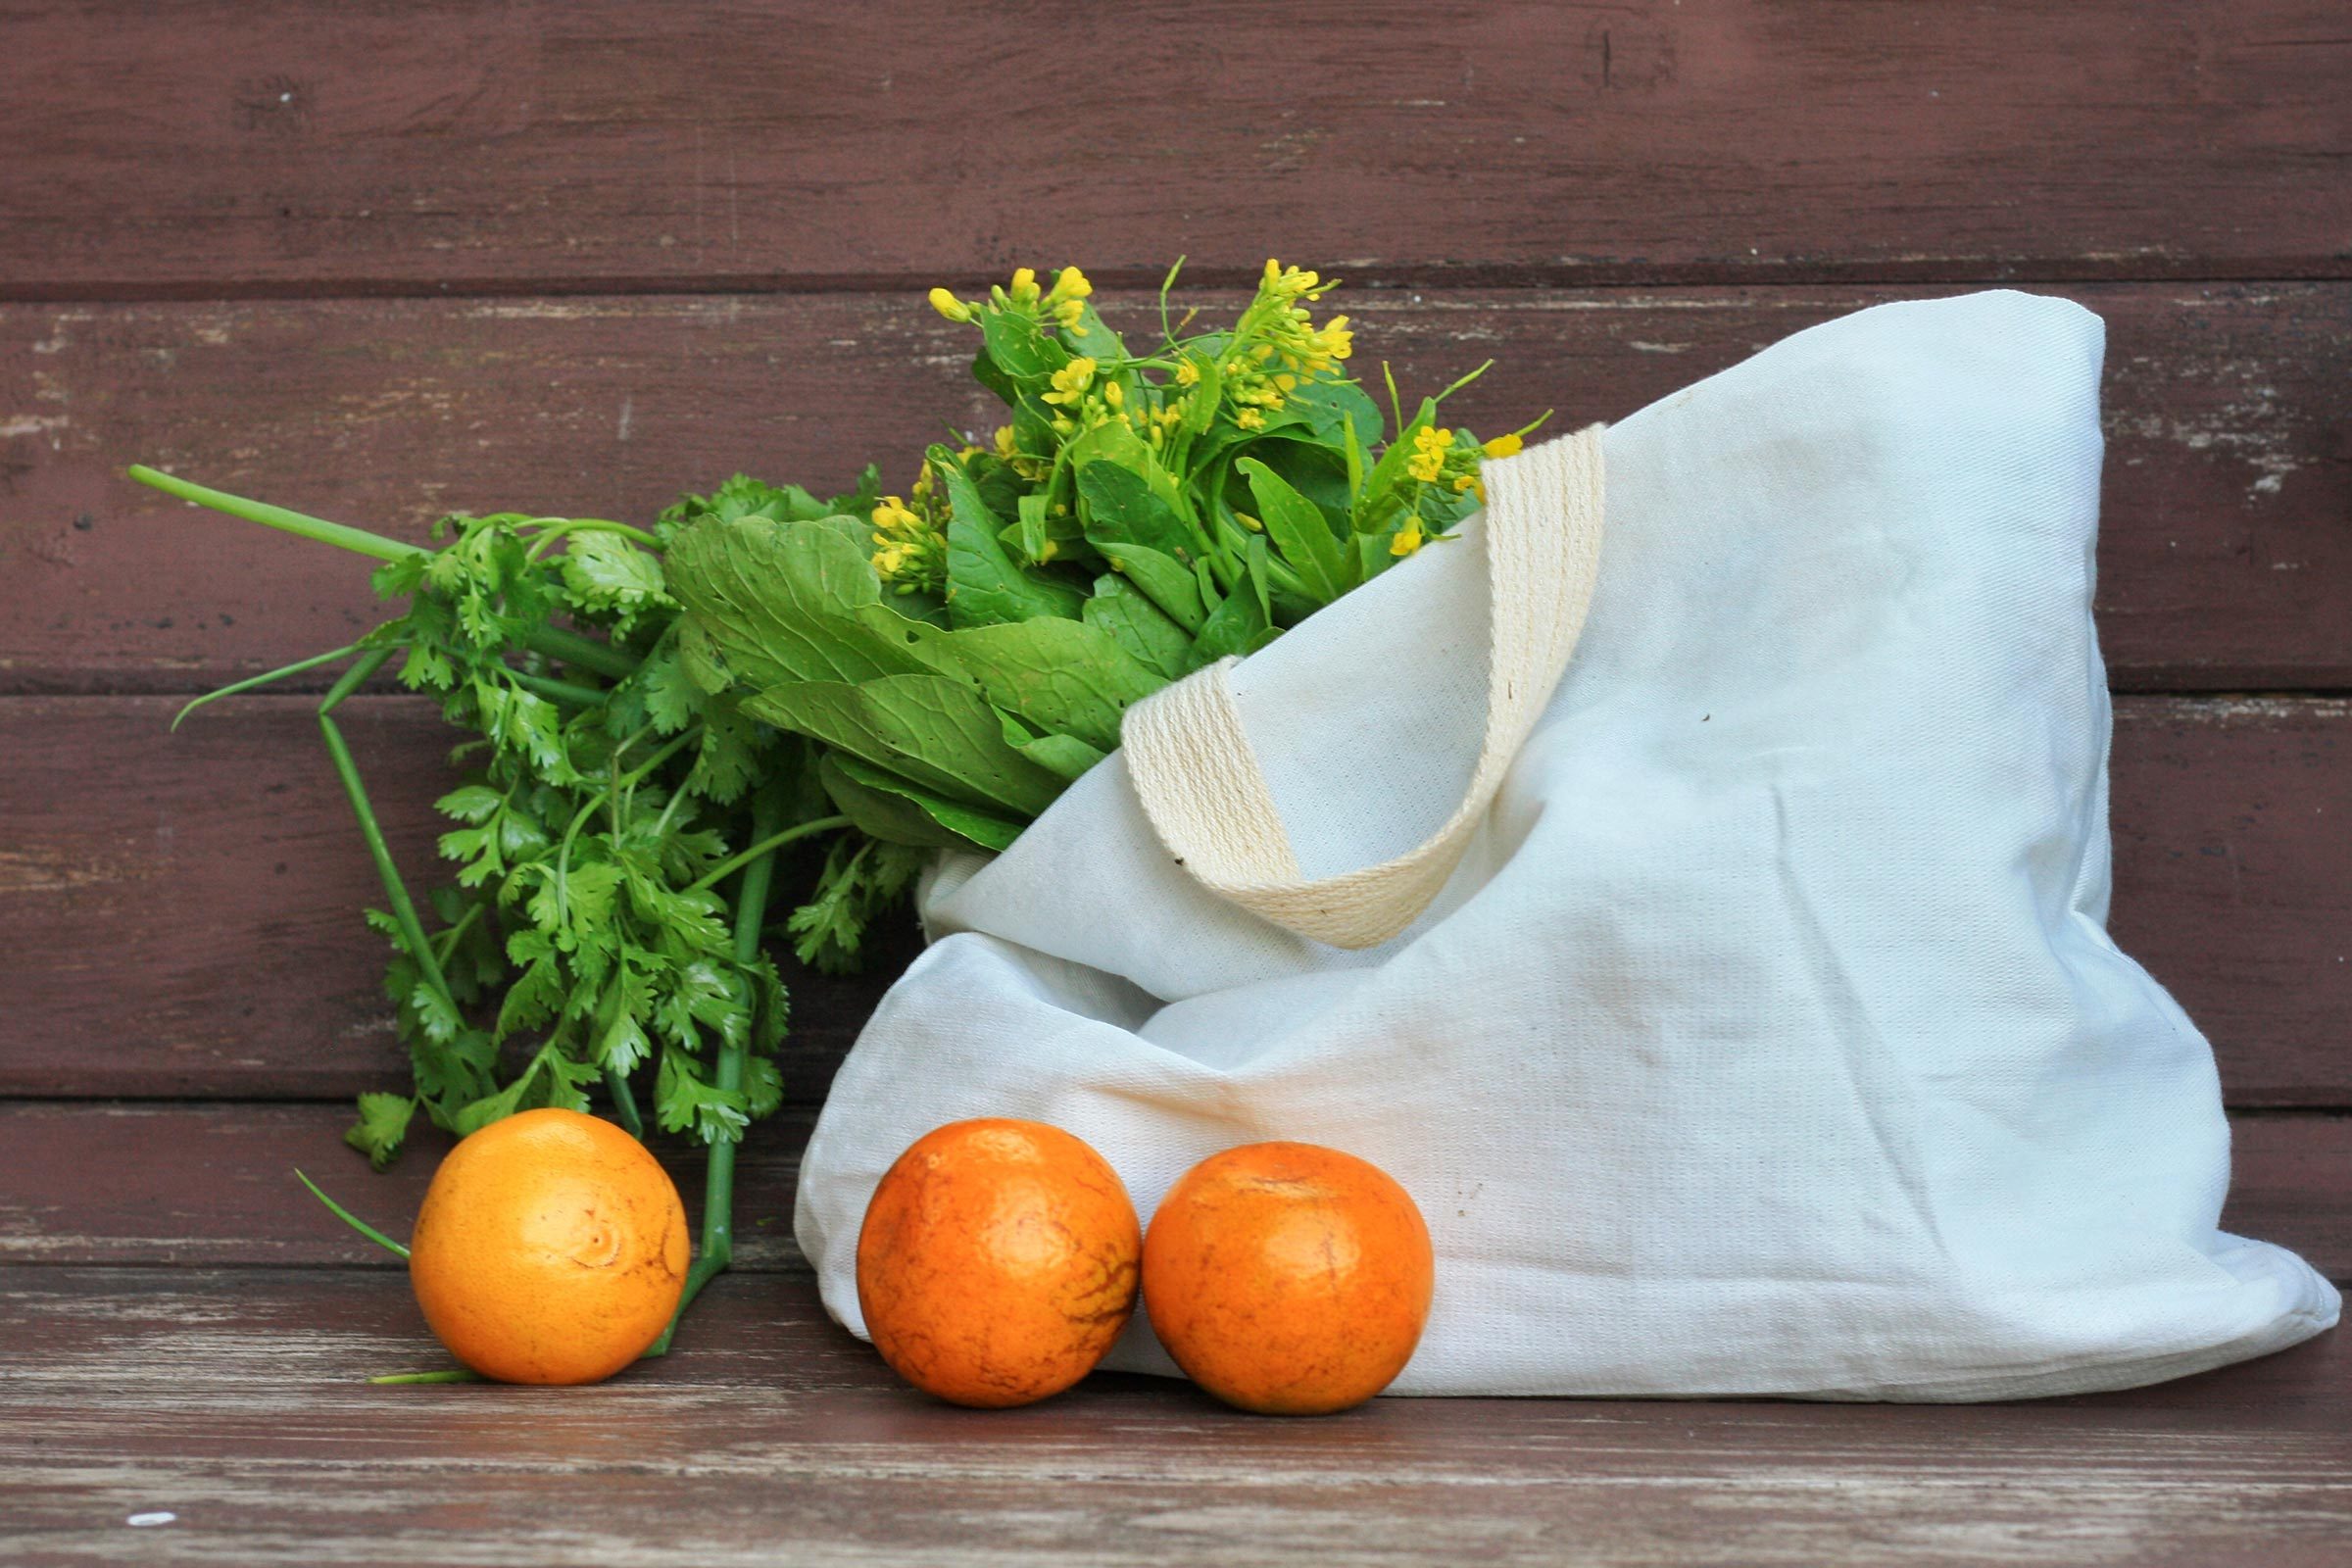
(615, 843)
(962, 653)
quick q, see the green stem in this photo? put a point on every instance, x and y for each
(773, 841)
(625, 1102)
(568, 647)
(571, 648)
(446, 942)
(252, 681)
(453, 1374)
(404, 912)
(562, 691)
(341, 535)
(351, 1219)
(569, 525)
(718, 1183)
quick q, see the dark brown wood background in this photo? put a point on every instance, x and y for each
(383, 262)
(380, 260)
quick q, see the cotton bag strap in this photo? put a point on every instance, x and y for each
(1200, 782)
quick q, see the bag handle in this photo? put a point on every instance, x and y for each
(1200, 782)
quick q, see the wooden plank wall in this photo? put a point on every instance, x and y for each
(380, 263)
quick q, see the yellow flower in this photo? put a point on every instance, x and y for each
(949, 306)
(1503, 446)
(1407, 540)
(1470, 481)
(1187, 373)
(1024, 283)
(1114, 394)
(1071, 381)
(1334, 339)
(1069, 284)
(1430, 446)
(1006, 444)
(1069, 312)
(1250, 420)
(1286, 282)
(909, 549)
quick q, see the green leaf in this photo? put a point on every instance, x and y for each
(888, 806)
(1091, 338)
(746, 497)
(1162, 581)
(983, 583)
(1200, 403)
(1034, 538)
(685, 1099)
(382, 1126)
(470, 802)
(1061, 676)
(985, 586)
(624, 1046)
(434, 1015)
(727, 763)
(1390, 469)
(426, 669)
(1122, 508)
(1298, 530)
(857, 885)
(937, 731)
(1327, 407)
(778, 602)
(1237, 626)
(531, 1000)
(1066, 755)
(1018, 348)
(1139, 625)
(606, 574)
(671, 697)
(762, 1087)
(1114, 442)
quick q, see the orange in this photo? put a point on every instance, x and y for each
(1288, 1279)
(551, 1249)
(998, 1261)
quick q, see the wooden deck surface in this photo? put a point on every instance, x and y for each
(383, 262)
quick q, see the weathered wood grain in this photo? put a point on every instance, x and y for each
(300, 145)
(178, 912)
(212, 1184)
(2226, 561)
(232, 1401)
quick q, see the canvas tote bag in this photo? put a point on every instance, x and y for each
(1740, 1011)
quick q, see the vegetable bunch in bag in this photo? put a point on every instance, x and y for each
(965, 650)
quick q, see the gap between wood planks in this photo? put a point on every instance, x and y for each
(1596, 277)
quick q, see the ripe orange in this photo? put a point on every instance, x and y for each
(998, 1261)
(1288, 1279)
(551, 1249)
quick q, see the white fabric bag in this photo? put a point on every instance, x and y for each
(1767, 1037)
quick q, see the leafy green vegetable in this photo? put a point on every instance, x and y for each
(1138, 516)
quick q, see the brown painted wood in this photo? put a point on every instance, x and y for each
(232, 1401)
(2226, 561)
(212, 1184)
(178, 912)
(301, 145)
